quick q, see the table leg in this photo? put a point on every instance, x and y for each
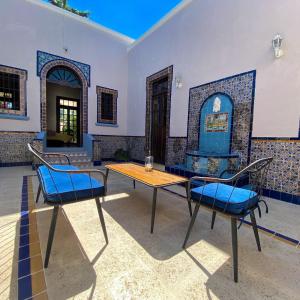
(153, 209)
(134, 184)
(106, 173)
(188, 197)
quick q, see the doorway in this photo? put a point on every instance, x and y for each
(64, 94)
(159, 104)
(67, 119)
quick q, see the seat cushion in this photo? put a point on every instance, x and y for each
(59, 187)
(231, 199)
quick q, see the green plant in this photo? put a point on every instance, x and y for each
(64, 5)
(121, 155)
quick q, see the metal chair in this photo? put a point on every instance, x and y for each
(222, 195)
(63, 184)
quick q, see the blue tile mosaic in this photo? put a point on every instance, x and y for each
(43, 58)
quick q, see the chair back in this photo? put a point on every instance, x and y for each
(39, 156)
(256, 172)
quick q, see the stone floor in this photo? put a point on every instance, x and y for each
(139, 265)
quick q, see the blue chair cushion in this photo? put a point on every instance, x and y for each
(59, 187)
(231, 199)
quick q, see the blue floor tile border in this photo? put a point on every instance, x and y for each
(24, 277)
(272, 232)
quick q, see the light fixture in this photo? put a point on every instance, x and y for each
(277, 45)
(178, 82)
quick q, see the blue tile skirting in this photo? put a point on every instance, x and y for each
(15, 164)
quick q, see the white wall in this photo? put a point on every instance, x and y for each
(27, 26)
(213, 39)
(208, 40)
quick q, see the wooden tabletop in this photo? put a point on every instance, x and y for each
(155, 178)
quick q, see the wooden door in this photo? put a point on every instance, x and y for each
(159, 119)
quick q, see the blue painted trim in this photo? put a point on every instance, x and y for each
(251, 116)
(81, 66)
(106, 124)
(14, 117)
(282, 196)
(15, 164)
(40, 136)
(232, 114)
(88, 142)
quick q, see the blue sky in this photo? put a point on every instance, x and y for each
(130, 17)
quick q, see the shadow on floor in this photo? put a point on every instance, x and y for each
(70, 271)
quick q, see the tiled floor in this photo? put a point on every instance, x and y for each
(136, 264)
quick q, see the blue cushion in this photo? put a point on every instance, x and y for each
(232, 199)
(61, 187)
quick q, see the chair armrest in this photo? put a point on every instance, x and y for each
(83, 171)
(211, 179)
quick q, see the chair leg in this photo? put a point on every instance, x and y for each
(100, 213)
(254, 226)
(188, 198)
(38, 194)
(153, 209)
(234, 247)
(213, 219)
(191, 224)
(51, 235)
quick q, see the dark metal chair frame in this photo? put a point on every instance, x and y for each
(257, 172)
(39, 155)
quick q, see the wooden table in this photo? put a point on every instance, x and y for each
(155, 179)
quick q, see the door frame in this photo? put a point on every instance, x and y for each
(167, 72)
(164, 111)
(78, 108)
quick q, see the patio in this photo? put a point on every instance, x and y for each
(136, 264)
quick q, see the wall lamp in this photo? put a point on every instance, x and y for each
(277, 45)
(178, 82)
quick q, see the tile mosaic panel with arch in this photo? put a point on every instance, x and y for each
(84, 93)
(241, 89)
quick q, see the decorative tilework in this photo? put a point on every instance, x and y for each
(176, 150)
(106, 145)
(284, 174)
(43, 58)
(23, 78)
(114, 93)
(240, 88)
(149, 82)
(13, 147)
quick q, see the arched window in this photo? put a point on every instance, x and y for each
(64, 76)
